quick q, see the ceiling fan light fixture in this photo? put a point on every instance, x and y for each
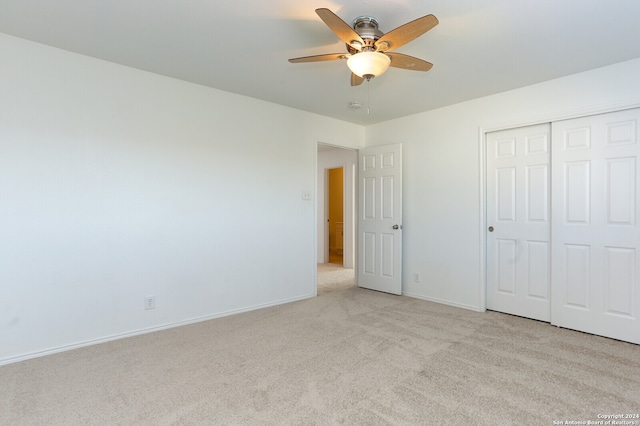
(367, 45)
(368, 64)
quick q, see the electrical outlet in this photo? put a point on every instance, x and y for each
(149, 302)
(416, 277)
(306, 195)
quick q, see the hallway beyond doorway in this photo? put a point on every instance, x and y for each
(333, 277)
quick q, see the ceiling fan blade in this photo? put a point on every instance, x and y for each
(356, 80)
(399, 60)
(406, 33)
(340, 28)
(318, 58)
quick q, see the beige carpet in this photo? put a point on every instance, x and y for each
(332, 277)
(349, 356)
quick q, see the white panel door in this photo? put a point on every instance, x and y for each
(380, 219)
(518, 246)
(596, 238)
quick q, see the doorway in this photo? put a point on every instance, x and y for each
(330, 158)
(336, 238)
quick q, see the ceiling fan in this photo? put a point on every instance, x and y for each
(369, 49)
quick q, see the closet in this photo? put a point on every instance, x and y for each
(562, 238)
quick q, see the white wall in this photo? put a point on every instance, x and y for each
(329, 160)
(116, 184)
(443, 218)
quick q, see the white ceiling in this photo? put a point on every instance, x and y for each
(479, 48)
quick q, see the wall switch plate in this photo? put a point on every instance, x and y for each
(306, 194)
(149, 302)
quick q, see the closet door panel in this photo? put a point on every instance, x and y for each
(595, 236)
(517, 235)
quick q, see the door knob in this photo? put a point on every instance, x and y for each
(396, 227)
(491, 229)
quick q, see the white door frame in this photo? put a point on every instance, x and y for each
(349, 209)
(350, 175)
(482, 170)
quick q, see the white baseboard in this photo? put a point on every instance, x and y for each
(444, 302)
(65, 348)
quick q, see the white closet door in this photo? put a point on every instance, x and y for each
(518, 276)
(595, 235)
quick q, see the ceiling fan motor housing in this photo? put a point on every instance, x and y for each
(367, 29)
